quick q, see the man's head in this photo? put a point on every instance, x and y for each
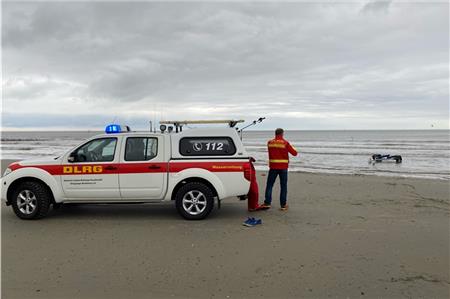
(279, 132)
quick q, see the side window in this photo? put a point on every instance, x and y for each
(141, 148)
(207, 146)
(97, 150)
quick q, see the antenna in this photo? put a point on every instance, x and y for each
(154, 117)
(256, 121)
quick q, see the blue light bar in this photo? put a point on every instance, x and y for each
(111, 129)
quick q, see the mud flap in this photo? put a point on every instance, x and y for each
(218, 203)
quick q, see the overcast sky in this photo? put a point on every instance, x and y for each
(365, 65)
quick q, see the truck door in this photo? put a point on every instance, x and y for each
(91, 171)
(143, 169)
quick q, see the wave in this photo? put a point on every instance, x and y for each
(361, 146)
(22, 139)
(350, 171)
(368, 146)
(368, 154)
(17, 148)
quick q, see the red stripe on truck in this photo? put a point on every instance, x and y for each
(210, 166)
(147, 167)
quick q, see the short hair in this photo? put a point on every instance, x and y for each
(279, 131)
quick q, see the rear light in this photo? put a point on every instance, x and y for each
(248, 171)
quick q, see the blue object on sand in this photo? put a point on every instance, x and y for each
(250, 222)
(257, 221)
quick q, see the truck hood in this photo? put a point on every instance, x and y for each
(41, 161)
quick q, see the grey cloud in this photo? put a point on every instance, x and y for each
(311, 59)
(377, 6)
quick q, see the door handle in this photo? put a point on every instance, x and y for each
(110, 168)
(154, 167)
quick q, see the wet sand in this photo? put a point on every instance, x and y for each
(343, 236)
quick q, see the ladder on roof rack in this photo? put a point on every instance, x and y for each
(180, 123)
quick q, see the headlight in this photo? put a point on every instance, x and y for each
(7, 171)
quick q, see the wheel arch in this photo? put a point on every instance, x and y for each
(190, 180)
(12, 187)
(194, 174)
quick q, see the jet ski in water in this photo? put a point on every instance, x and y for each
(376, 158)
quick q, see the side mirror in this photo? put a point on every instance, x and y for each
(71, 157)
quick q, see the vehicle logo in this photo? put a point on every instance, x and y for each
(82, 169)
(197, 146)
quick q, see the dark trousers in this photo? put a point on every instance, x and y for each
(271, 177)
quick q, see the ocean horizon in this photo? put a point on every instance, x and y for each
(426, 153)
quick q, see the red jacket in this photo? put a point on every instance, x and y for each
(279, 150)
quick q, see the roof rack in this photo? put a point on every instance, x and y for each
(180, 123)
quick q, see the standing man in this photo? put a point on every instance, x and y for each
(279, 150)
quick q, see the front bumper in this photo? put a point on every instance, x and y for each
(4, 183)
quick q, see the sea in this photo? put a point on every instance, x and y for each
(425, 153)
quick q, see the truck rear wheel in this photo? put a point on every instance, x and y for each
(194, 201)
(31, 200)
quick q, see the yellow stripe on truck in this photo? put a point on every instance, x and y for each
(279, 161)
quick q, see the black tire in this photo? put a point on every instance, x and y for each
(38, 195)
(57, 206)
(203, 205)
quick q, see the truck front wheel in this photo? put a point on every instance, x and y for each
(31, 200)
(194, 201)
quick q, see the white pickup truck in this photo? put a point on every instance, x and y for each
(191, 168)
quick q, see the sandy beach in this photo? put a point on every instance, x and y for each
(343, 237)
